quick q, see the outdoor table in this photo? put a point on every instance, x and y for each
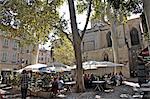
(145, 85)
(3, 93)
(69, 85)
(3, 85)
(146, 92)
(98, 85)
(7, 88)
(144, 89)
(47, 87)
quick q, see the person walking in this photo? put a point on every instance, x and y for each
(24, 84)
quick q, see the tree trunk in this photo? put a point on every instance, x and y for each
(147, 16)
(77, 48)
(35, 53)
(114, 36)
(147, 11)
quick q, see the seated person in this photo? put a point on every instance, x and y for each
(60, 84)
(54, 86)
(86, 81)
(92, 78)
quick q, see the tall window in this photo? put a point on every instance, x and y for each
(108, 38)
(14, 57)
(15, 44)
(5, 42)
(106, 57)
(41, 58)
(26, 62)
(4, 56)
(134, 36)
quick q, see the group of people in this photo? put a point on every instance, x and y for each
(115, 79)
(88, 78)
(57, 81)
(57, 85)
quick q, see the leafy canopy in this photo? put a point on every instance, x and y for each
(63, 51)
(104, 9)
(30, 20)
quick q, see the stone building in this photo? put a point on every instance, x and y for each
(44, 56)
(9, 55)
(13, 57)
(97, 43)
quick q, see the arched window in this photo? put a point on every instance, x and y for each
(108, 38)
(134, 36)
(106, 57)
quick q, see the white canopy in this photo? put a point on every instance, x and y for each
(96, 64)
(47, 69)
(57, 64)
(108, 64)
(34, 68)
(59, 67)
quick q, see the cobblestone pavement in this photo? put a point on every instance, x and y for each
(111, 95)
(90, 94)
(117, 92)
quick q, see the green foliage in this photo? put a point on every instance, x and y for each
(104, 9)
(36, 20)
(97, 6)
(15, 80)
(63, 51)
(81, 6)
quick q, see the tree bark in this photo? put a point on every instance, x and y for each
(35, 53)
(147, 16)
(147, 11)
(77, 48)
(114, 36)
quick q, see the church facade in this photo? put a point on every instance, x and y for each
(97, 43)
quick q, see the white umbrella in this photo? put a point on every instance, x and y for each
(57, 64)
(48, 69)
(88, 65)
(33, 68)
(96, 64)
(108, 64)
(59, 67)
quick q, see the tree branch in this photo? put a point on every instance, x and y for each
(87, 19)
(67, 34)
(106, 22)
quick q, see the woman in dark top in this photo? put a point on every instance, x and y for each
(54, 86)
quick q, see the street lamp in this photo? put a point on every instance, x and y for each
(52, 53)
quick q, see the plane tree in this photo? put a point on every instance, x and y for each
(31, 21)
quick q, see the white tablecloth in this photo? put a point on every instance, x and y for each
(70, 83)
(98, 82)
